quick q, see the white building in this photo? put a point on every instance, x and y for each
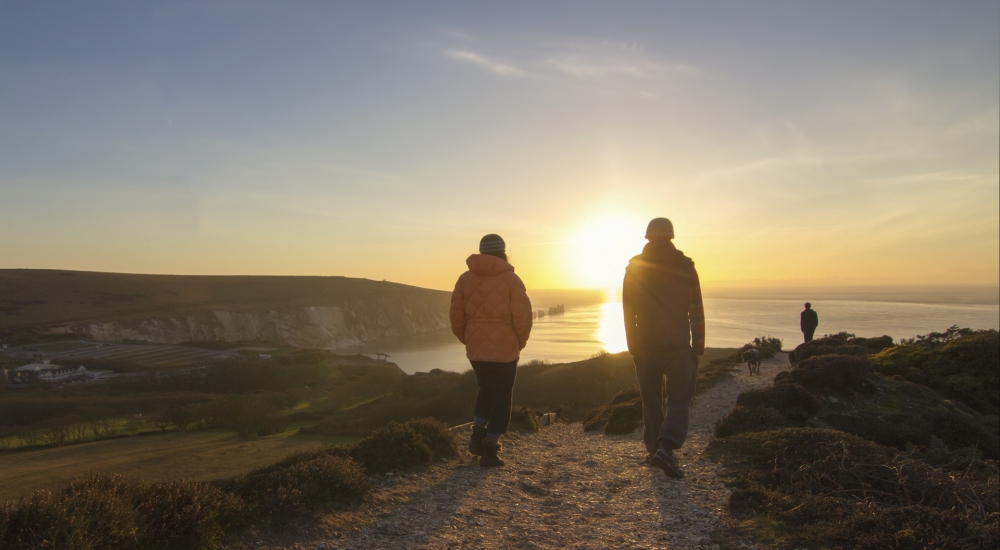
(58, 373)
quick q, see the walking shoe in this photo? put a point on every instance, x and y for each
(476, 442)
(665, 460)
(490, 451)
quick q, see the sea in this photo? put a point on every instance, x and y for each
(592, 323)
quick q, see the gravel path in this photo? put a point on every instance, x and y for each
(561, 488)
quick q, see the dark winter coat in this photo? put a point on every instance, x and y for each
(661, 299)
(808, 320)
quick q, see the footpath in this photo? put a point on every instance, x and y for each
(561, 488)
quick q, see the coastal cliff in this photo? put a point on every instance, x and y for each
(319, 312)
(312, 327)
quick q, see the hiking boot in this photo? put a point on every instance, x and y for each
(666, 461)
(476, 442)
(490, 451)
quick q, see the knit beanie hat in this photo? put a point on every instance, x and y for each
(491, 243)
(660, 228)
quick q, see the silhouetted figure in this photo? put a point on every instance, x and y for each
(491, 314)
(808, 321)
(665, 329)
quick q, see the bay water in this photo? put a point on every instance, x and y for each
(592, 323)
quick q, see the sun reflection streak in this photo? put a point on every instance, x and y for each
(611, 331)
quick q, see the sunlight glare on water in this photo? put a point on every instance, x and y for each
(588, 327)
(611, 331)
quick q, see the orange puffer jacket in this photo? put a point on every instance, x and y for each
(490, 311)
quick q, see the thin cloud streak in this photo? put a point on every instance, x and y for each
(496, 67)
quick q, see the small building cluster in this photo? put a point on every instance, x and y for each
(47, 372)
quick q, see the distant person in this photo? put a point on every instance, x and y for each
(665, 329)
(808, 321)
(491, 315)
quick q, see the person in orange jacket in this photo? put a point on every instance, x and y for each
(491, 314)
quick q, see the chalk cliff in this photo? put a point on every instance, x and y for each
(322, 312)
(329, 327)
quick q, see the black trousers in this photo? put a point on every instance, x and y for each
(808, 333)
(496, 389)
(681, 370)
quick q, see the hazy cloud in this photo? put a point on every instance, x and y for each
(496, 67)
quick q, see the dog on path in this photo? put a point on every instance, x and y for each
(752, 359)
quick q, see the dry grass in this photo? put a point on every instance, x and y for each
(192, 455)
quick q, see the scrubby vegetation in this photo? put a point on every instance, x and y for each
(524, 420)
(621, 415)
(903, 467)
(111, 511)
(766, 345)
(808, 487)
(958, 363)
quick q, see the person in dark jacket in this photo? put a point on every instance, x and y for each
(665, 330)
(808, 321)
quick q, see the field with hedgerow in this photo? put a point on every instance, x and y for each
(189, 458)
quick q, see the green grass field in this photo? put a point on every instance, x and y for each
(191, 455)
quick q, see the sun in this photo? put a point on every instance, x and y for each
(601, 248)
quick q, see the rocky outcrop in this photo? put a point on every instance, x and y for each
(328, 327)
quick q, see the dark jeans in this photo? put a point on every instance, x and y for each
(808, 333)
(681, 370)
(496, 388)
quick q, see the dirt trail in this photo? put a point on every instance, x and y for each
(561, 488)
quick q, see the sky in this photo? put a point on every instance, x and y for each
(791, 143)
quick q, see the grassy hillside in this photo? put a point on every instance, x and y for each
(196, 455)
(35, 297)
(850, 449)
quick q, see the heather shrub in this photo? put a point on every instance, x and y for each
(624, 418)
(750, 419)
(830, 373)
(181, 515)
(767, 345)
(623, 414)
(824, 488)
(393, 447)
(811, 349)
(112, 511)
(299, 482)
(958, 363)
(96, 512)
(524, 419)
(437, 436)
(874, 345)
(791, 400)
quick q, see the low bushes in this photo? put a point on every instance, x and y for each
(830, 374)
(397, 445)
(779, 406)
(903, 468)
(436, 436)
(623, 414)
(524, 419)
(115, 512)
(843, 343)
(300, 481)
(111, 511)
(750, 419)
(791, 399)
(178, 514)
(958, 363)
(825, 488)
